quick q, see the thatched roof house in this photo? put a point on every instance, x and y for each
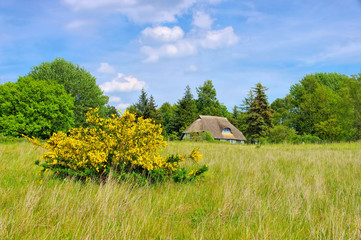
(220, 128)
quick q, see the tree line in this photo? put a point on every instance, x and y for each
(55, 96)
(320, 107)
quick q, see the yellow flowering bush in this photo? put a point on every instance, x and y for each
(195, 155)
(126, 146)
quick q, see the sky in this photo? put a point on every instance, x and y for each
(165, 45)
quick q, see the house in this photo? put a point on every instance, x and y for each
(220, 128)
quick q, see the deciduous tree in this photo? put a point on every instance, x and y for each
(35, 108)
(78, 82)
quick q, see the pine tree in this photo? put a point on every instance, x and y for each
(235, 117)
(247, 102)
(142, 105)
(259, 115)
(152, 112)
(185, 112)
(146, 108)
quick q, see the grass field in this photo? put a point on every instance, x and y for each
(250, 192)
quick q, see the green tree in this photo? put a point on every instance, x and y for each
(349, 108)
(225, 112)
(76, 81)
(234, 119)
(153, 112)
(35, 108)
(247, 102)
(167, 112)
(207, 102)
(142, 105)
(185, 112)
(259, 115)
(238, 119)
(146, 108)
(319, 106)
(281, 133)
(282, 113)
(240, 113)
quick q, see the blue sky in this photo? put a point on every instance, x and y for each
(164, 45)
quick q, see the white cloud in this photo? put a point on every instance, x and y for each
(155, 11)
(118, 102)
(163, 34)
(202, 20)
(178, 49)
(106, 68)
(219, 38)
(123, 83)
(210, 39)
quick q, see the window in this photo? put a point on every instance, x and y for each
(226, 130)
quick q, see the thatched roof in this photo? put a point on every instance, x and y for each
(215, 125)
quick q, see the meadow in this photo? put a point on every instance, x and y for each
(250, 192)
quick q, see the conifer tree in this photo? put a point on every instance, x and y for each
(152, 111)
(259, 116)
(146, 108)
(185, 112)
(142, 105)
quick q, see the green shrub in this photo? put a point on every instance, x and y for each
(208, 136)
(281, 133)
(200, 137)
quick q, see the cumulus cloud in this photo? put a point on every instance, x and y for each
(202, 20)
(209, 39)
(119, 103)
(106, 68)
(162, 34)
(180, 48)
(220, 38)
(123, 83)
(155, 11)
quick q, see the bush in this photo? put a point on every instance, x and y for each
(122, 147)
(200, 137)
(310, 139)
(281, 133)
(172, 136)
(208, 136)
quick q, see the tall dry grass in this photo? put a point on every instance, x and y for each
(250, 192)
